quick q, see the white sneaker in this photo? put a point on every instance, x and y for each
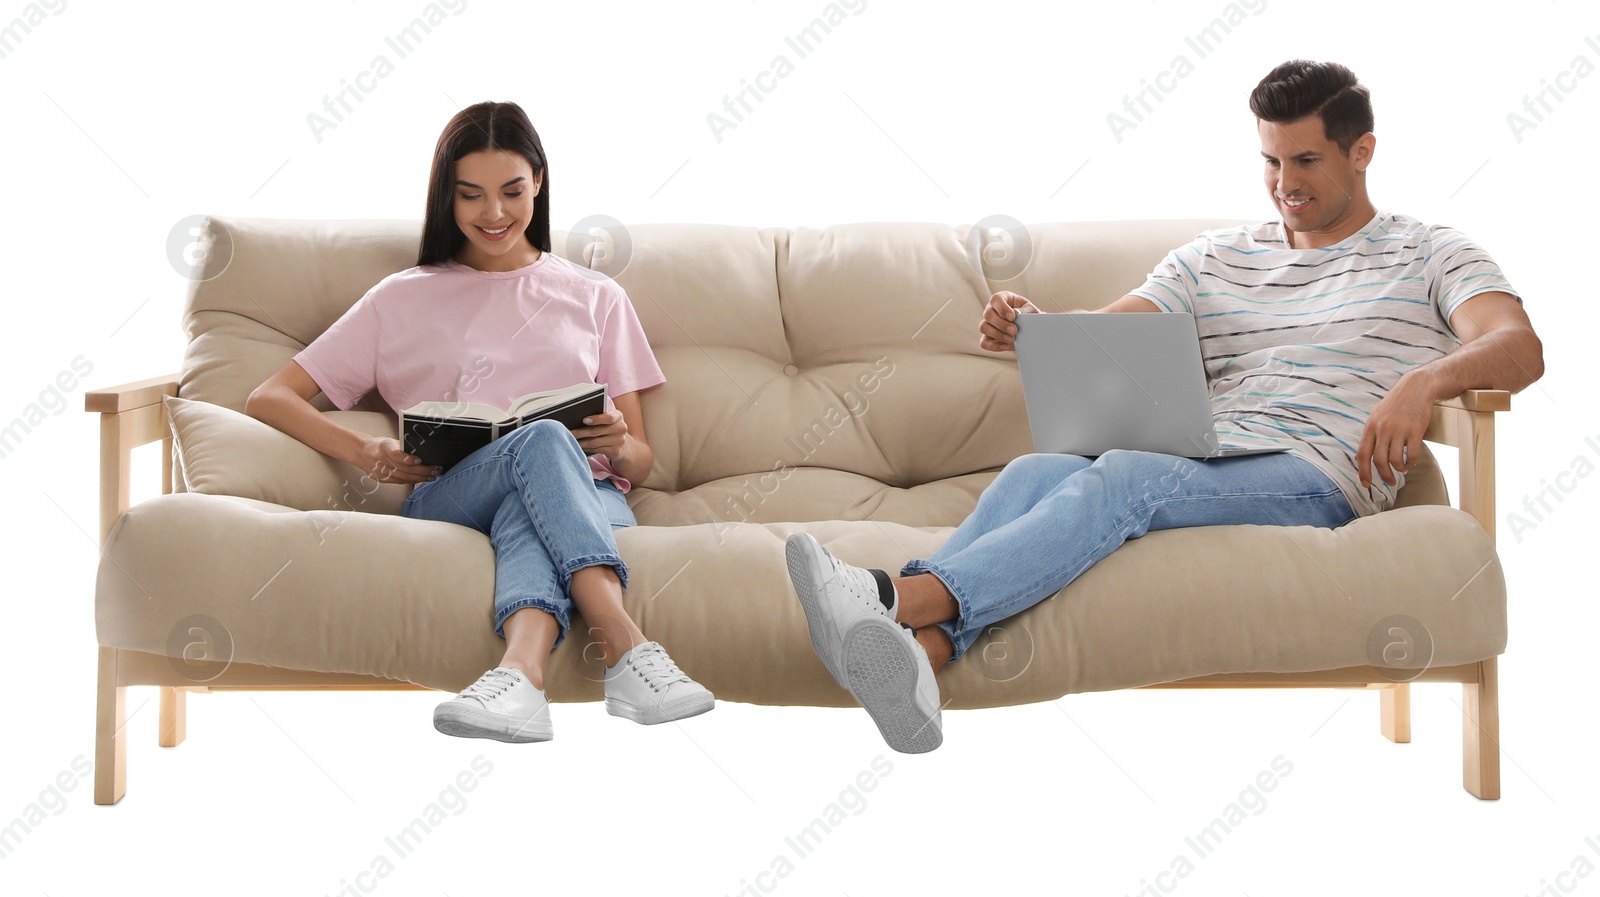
(502, 705)
(835, 596)
(648, 688)
(869, 653)
(889, 673)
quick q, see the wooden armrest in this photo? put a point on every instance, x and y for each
(1479, 400)
(1467, 423)
(128, 396)
(131, 415)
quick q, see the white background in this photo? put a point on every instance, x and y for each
(120, 119)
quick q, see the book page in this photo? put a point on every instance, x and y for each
(468, 411)
(534, 401)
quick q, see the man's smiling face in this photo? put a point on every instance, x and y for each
(1319, 190)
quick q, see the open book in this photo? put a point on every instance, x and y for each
(442, 433)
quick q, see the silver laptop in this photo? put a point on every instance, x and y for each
(1097, 382)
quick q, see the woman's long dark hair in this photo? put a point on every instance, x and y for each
(485, 126)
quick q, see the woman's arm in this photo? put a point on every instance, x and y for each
(619, 435)
(284, 401)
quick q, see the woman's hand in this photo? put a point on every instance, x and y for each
(384, 460)
(605, 434)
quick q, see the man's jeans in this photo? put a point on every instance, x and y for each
(1048, 518)
(534, 496)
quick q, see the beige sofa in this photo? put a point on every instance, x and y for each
(818, 379)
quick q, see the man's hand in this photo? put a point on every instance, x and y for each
(1393, 435)
(605, 435)
(997, 332)
(384, 460)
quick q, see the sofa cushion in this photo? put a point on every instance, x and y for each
(222, 452)
(411, 600)
(846, 349)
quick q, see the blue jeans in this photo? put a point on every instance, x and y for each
(532, 493)
(1048, 518)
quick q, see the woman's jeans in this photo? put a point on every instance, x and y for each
(533, 494)
(1048, 518)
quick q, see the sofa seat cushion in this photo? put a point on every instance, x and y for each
(410, 600)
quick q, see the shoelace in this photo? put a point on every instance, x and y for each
(863, 587)
(656, 668)
(489, 686)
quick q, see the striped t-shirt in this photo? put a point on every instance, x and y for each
(1301, 344)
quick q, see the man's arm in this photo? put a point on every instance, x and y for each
(1498, 350)
(997, 332)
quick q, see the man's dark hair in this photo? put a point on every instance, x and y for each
(1299, 88)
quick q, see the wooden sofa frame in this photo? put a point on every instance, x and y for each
(132, 415)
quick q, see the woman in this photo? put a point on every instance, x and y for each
(489, 314)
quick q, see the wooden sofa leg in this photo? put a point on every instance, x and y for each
(173, 716)
(1480, 715)
(1395, 704)
(110, 741)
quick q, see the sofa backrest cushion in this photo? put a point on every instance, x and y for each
(849, 349)
(219, 451)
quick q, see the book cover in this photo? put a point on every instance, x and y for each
(443, 433)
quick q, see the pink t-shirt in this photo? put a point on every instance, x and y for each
(446, 333)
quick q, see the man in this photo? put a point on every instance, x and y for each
(1330, 332)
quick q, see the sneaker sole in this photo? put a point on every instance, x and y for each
(462, 722)
(665, 715)
(882, 671)
(806, 575)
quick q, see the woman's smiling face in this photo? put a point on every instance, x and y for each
(493, 201)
